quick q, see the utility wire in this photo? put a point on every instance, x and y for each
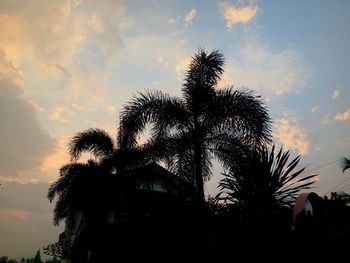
(342, 182)
(323, 165)
(341, 189)
(346, 189)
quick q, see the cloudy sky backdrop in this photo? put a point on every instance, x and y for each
(66, 66)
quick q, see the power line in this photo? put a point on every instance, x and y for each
(342, 182)
(322, 165)
(346, 189)
(341, 189)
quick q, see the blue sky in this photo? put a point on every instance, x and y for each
(66, 66)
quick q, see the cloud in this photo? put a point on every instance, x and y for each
(11, 79)
(56, 159)
(56, 57)
(326, 120)
(112, 109)
(291, 136)
(335, 94)
(15, 214)
(58, 72)
(61, 114)
(64, 43)
(313, 109)
(24, 143)
(189, 17)
(174, 20)
(163, 61)
(238, 15)
(256, 66)
(26, 219)
(182, 63)
(343, 116)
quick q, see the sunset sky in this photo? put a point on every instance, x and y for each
(66, 66)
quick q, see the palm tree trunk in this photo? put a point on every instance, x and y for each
(198, 176)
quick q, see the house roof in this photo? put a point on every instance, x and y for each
(150, 178)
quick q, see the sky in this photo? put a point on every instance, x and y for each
(70, 65)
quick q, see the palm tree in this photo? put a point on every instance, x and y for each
(73, 188)
(86, 191)
(190, 130)
(345, 163)
(262, 181)
(78, 181)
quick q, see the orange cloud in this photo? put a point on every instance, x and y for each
(16, 214)
(58, 158)
(189, 17)
(291, 136)
(343, 116)
(236, 15)
(182, 63)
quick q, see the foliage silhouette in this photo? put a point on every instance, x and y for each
(88, 192)
(190, 130)
(345, 163)
(263, 181)
(59, 249)
(84, 190)
(78, 181)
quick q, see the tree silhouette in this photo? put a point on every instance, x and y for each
(37, 257)
(262, 181)
(78, 181)
(190, 130)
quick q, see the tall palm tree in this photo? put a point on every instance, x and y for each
(192, 129)
(263, 181)
(345, 164)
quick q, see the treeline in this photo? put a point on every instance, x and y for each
(35, 259)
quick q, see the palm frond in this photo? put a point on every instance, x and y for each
(261, 176)
(96, 141)
(155, 107)
(205, 70)
(243, 111)
(345, 163)
(71, 189)
(203, 74)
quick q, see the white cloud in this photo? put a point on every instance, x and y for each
(238, 15)
(313, 109)
(335, 94)
(288, 132)
(343, 116)
(189, 17)
(256, 66)
(174, 20)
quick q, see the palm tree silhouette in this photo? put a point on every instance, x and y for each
(81, 186)
(191, 130)
(262, 181)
